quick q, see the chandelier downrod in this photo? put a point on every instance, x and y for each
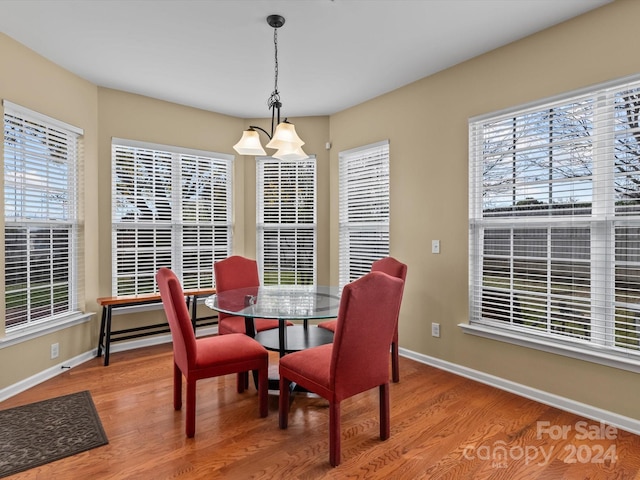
(274, 103)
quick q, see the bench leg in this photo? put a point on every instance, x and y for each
(107, 337)
(102, 326)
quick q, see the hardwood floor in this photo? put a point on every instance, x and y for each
(442, 427)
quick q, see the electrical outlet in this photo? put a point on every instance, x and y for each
(435, 330)
(55, 350)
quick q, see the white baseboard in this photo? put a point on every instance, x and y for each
(597, 414)
(62, 367)
(40, 377)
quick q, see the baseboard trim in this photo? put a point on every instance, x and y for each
(597, 414)
(62, 367)
(44, 375)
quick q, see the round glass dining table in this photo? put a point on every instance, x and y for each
(282, 303)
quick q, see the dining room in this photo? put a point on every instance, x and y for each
(486, 330)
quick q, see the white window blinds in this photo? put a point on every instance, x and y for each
(42, 228)
(286, 221)
(363, 209)
(171, 208)
(555, 219)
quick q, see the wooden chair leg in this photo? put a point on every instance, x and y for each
(177, 387)
(191, 408)
(334, 433)
(283, 406)
(385, 427)
(243, 378)
(263, 389)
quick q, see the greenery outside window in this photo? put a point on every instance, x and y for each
(171, 207)
(555, 220)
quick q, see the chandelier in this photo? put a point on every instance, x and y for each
(284, 140)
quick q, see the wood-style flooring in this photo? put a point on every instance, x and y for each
(442, 427)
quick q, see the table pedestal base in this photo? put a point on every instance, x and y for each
(296, 338)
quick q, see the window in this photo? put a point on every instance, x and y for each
(363, 209)
(555, 221)
(171, 208)
(286, 221)
(41, 229)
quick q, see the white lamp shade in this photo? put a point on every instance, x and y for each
(285, 136)
(288, 154)
(249, 144)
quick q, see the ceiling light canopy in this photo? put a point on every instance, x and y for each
(284, 140)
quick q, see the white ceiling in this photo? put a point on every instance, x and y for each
(218, 54)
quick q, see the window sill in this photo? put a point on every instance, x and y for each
(30, 332)
(587, 353)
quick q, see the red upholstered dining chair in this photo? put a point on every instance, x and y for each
(207, 357)
(356, 361)
(393, 267)
(238, 272)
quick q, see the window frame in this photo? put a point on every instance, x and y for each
(601, 216)
(56, 169)
(167, 237)
(299, 224)
(364, 179)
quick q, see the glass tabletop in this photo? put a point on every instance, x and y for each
(284, 302)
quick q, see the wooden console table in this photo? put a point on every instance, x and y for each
(110, 303)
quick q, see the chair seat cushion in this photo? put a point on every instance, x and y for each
(310, 368)
(329, 325)
(237, 325)
(225, 349)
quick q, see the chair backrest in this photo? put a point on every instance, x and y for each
(235, 272)
(393, 267)
(175, 308)
(360, 358)
(390, 266)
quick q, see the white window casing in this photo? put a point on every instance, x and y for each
(554, 221)
(363, 209)
(42, 225)
(171, 207)
(286, 221)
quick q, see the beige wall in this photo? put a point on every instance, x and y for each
(32, 82)
(426, 124)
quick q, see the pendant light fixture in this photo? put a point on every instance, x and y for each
(284, 140)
